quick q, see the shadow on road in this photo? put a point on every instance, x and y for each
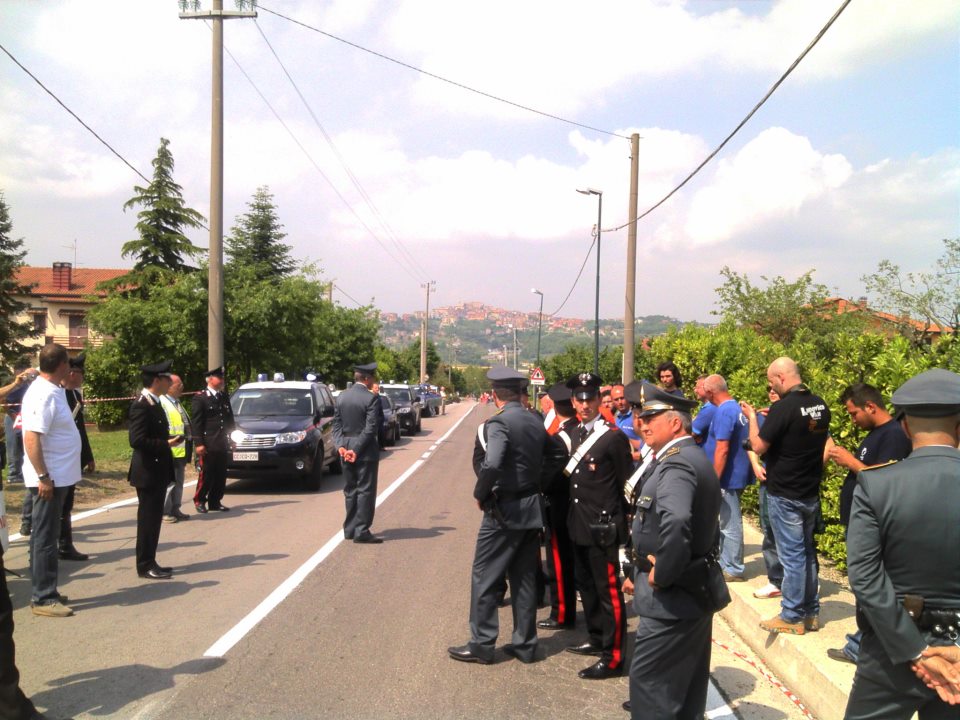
(391, 534)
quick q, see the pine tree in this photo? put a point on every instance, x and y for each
(11, 260)
(161, 222)
(255, 240)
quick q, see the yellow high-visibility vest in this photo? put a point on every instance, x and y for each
(175, 419)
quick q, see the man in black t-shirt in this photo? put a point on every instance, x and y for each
(885, 441)
(792, 440)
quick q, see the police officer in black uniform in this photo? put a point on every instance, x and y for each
(903, 556)
(211, 422)
(598, 468)
(72, 388)
(675, 529)
(517, 456)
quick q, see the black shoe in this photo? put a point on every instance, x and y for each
(181, 516)
(836, 654)
(515, 654)
(551, 624)
(626, 705)
(201, 507)
(368, 538)
(587, 648)
(220, 508)
(600, 670)
(69, 552)
(25, 529)
(163, 569)
(464, 654)
(156, 573)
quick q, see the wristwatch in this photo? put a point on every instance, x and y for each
(43, 476)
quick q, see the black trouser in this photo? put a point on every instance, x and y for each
(13, 703)
(212, 477)
(66, 524)
(598, 571)
(149, 522)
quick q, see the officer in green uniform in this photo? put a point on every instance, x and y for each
(903, 550)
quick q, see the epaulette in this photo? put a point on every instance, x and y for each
(672, 451)
(881, 465)
(498, 412)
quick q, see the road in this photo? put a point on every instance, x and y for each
(271, 615)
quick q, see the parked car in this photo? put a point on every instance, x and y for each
(407, 404)
(284, 431)
(390, 427)
(431, 400)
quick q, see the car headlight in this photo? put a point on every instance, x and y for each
(289, 438)
(238, 436)
(403, 410)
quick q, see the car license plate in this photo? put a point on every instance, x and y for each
(246, 456)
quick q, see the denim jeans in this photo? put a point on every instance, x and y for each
(14, 451)
(731, 533)
(174, 498)
(793, 524)
(768, 547)
(45, 545)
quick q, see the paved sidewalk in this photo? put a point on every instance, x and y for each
(800, 662)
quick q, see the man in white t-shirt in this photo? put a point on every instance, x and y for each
(52, 465)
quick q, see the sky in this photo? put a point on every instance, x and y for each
(386, 177)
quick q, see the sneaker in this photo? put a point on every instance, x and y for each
(732, 578)
(777, 624)
(170, 518)
(52, 609)
(767, 591)
(812, 623)
(25, 529)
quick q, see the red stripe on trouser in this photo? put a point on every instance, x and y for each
(196, 494)
(617, 615)
(558, 572)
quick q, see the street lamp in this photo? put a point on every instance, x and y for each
(539, 322)
(596, 316)
(514, 329)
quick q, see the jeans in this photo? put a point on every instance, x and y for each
(174, 498)
(45, 545)
(769, 545)
(14, 450)
(852, 648)
(731, 533)
(793, 524)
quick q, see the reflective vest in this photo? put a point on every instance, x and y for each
(175, 419)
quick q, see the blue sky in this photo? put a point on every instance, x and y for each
(856, 158)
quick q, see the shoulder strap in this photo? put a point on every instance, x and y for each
(599, 430)
(480, 437)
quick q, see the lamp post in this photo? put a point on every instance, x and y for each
(539, 322)
(596, 315)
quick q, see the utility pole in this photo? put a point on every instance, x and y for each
(428, 286)
(630, 310)
(215, 287)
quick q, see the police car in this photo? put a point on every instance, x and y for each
(284, 430)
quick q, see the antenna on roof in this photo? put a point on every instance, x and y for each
(74, 247)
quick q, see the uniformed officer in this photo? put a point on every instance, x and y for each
(599, 466)
(72, 387)
(356, 427)
(211, 421)
(151, 466)
(560, 562)
(903, 554)
(675, 530)
(518, 454)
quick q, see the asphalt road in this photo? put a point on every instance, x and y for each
(271, 615)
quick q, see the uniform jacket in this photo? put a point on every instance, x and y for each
(74, 398)
(676, 521)
(152, 461)
(356, 422)
(211, 421)
(903, 539)
(596, 485)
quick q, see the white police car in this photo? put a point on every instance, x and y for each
(284, 430)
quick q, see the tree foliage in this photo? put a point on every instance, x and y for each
(11, 260)
(162, 220)
(256, 240)
(930, 297)
(579, 358)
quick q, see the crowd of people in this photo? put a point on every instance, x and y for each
(642, 467)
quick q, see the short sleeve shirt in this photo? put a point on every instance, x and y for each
(796, 429)
(730, 424)
(45, 411)
(882, 444)
(701, 423)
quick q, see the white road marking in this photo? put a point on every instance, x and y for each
(717, 708)
(238, 631)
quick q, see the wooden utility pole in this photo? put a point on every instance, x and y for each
(630, 310)
(216, 16)
(424, 326)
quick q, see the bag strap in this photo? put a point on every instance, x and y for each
(599, 430)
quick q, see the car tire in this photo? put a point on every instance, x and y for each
(396, 437)
(418, 426)
(336, 467)
(312, 481)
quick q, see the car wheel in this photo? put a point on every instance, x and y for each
(336, 467)
(311, 482)
(396, 437)
(418, 426)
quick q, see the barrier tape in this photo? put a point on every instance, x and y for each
(91, 401)
(767, 676)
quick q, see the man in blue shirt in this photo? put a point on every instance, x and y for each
(724, 446)
(701, 421)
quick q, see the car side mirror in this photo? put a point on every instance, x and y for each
(327, 411)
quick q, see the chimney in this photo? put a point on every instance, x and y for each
(62, 275)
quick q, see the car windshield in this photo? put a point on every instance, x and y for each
(385, 402)
(269, 401)
(398, 394)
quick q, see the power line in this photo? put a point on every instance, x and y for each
(574, 286)
(75, 116)
(344, 293)
(742, 122)
(487, 95)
